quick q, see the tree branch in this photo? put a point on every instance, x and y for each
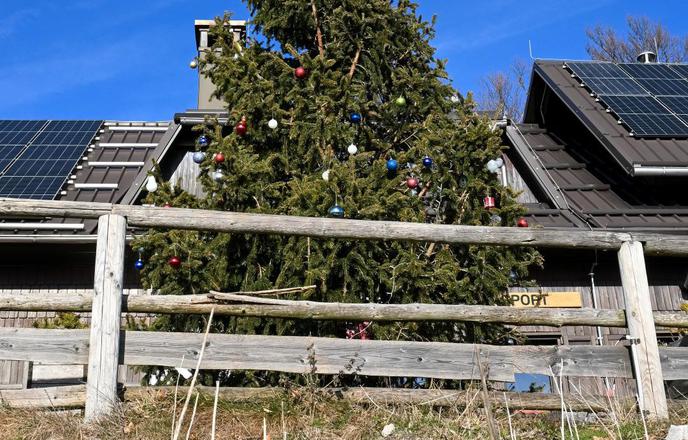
(354, 63)
(318, 32)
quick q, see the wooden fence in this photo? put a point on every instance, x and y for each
(105, 345)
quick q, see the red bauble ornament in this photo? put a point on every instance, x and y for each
(219, 158)
(350, 333)
(363, 330)
(241, 128)
(489, 202)
(166, 205)
(522, 223)
(174, 262)
(300, 72)
(412, 182)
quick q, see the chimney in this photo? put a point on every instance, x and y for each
(647, 57)
(204, 43)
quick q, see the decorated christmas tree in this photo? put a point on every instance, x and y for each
(340, 108)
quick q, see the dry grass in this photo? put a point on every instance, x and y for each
(308, 415)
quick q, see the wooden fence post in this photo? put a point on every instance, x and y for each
(103, 355)
(641, 329)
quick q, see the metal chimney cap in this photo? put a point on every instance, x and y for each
(647, 57)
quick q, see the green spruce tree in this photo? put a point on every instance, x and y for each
(329, 92)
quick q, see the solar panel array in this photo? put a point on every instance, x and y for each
(651, 100)
(36, 157)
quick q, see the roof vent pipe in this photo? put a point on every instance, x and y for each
(647, 57)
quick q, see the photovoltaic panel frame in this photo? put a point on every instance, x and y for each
(44, 162)
(636, 94)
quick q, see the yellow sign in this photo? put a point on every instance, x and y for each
(546, 299)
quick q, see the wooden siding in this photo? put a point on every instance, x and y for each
(513, 179)
(186, 176)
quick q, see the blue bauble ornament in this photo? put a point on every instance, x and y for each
(198, 156)
(355, 118)
(138, 265)
(427, 162)
(336, 211)
(392, 165)
(203, 140)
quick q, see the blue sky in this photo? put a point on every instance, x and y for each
(128, 60)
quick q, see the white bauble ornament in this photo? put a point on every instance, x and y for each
(352, 149)
(326, 175)
(193, 64)
(272, 123)
(454, 99)
(492, 166)
(151, 184)
(500, 162)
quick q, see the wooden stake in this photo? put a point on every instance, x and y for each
(494, 433)
(641, 329)
(103, 353)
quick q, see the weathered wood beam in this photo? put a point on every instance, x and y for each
(71, 396)
(293, 354)
(201, 305)
(104, 342)
(641, 329)
(392, 396)
(74, 396)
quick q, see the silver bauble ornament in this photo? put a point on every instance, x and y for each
(272, 123)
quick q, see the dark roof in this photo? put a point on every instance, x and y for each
(120, 156)
(576, 197)
(630, 152)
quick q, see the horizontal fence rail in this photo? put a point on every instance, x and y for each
(220, 221)
(293, 354)
(74, 396)
(203, 304)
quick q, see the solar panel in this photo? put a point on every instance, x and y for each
(647, 98)
(655, 125)
(681, 69)
(634, 104)
(615, 86)
(596, 70)
(39, 166)
(650, 71)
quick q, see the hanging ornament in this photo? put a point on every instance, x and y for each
(392, 165)
(203, 140)
(336, 211)
(463, 181)
(219, 157)
(193, 64)
(522, 223)
(300, 73)
(272, 123)
(400, 101)
(218, 175)
(427, 162)
(151, 184)
(138, 265)
(326, 175)
(352, 149)
(454, 99)
(241, 128)
(363, 330)
(175, 262)
(513, 276)
(198, 157)
(350, 333)
(492, 166)
(166, 205)
(412, 182)
(489, 202)
(355, 118)
(495, 219)
(500, 162)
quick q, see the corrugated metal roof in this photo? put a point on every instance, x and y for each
(626, 149)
